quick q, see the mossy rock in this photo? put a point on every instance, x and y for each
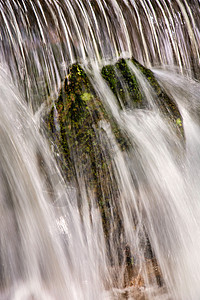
(74, 119)
(124, 85)
(76, 113)
(164, 102)
(74, 124)
(79, 140)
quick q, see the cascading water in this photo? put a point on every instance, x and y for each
(37, 259)
(39, 39)
(123, 223)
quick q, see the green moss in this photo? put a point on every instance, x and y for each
(179, 122)
(86, 97)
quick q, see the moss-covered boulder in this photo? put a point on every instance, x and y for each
(75, 115)
(164, 102)
(72, 120)
(81, 143)
(83, 148)
(124, 84)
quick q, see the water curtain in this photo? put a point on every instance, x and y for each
(99, 155)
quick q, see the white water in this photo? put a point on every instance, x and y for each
(46, 251)
(40, 39)
(159, 180)
(51, 237)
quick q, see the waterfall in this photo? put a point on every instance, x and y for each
(99, 198)
(40, 39)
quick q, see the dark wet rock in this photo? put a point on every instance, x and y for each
(123, 84)
(126, 88)
(83, 150)
(81, 144)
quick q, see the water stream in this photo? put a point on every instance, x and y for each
(54, 243)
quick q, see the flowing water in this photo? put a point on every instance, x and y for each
(53, 241)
